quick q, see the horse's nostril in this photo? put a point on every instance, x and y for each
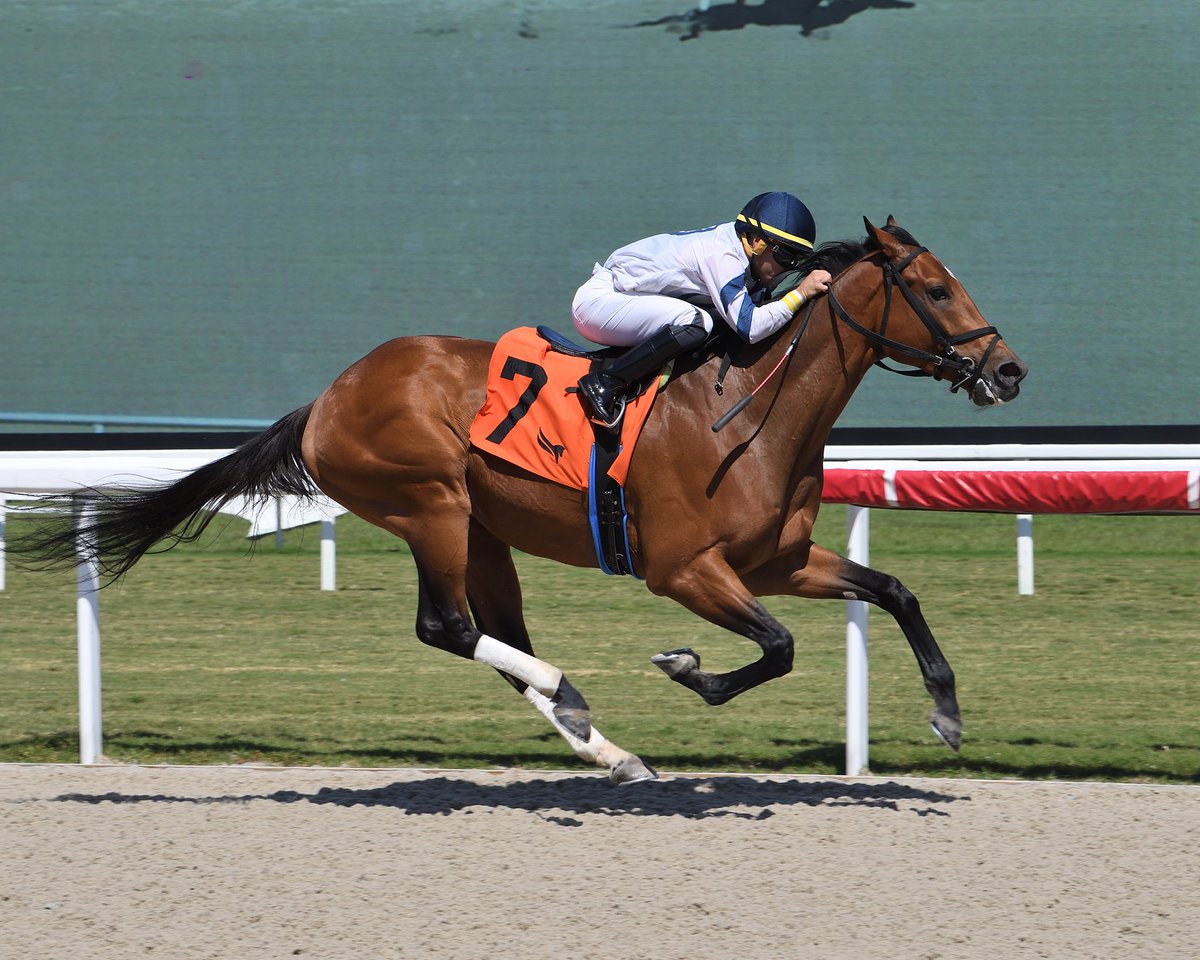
(1012, 372)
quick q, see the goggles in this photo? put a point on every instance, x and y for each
(786, 256)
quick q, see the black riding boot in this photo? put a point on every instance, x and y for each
(602, 391)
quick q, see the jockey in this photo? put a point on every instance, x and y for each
(639, 297)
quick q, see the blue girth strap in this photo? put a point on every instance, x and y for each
(606, 508)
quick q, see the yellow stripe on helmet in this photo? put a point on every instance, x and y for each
(767, 228)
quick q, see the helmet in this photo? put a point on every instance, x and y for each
(779, 217)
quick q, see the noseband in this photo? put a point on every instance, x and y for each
(948, 360)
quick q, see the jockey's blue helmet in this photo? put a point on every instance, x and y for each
(779, 218)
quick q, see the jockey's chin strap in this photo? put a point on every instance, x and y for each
(947, 361)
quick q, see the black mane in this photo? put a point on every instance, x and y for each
(836, 255)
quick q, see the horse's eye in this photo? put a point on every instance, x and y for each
(939, 293)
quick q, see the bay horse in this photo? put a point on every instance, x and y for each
(717, 517)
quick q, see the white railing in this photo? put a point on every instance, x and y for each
(37, 473)
(26, 475)
(1010, 478)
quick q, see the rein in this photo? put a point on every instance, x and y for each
(741, 404)
(948, 360)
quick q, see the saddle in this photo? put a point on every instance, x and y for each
(720, 342)
(532, 418)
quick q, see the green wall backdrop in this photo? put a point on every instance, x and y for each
(209, 209)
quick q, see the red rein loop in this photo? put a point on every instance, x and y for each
(741, 404)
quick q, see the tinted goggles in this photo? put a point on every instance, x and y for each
(786, 256)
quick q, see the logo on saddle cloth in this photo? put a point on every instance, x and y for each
(532, 417)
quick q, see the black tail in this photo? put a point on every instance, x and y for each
(118, 527)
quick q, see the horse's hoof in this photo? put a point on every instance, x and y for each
(631, 770)
(948, 729)
(677, 663)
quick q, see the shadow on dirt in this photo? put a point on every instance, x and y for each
(693, 797)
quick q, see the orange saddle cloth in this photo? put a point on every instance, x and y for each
(533, 418)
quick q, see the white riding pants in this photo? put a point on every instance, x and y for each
(616, 319)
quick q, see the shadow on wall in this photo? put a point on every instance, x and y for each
(808, 15)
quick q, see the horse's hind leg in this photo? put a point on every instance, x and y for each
(814, 572)
(438, 538)
(442, 622)
(494, 594)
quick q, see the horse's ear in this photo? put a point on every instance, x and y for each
(883, 240)
(891, 221)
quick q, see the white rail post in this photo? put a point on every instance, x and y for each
(278, 522)
(328, 555)
(3, 538)
(87, 630)
(1025, 554)
(858, 550)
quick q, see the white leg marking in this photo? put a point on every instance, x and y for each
(597, 750)
(543, 677)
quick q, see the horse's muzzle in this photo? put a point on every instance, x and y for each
(999, 384)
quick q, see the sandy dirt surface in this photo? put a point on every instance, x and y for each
(221, 862)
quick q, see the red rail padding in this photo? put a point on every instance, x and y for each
(1014, 491)
(861, 487)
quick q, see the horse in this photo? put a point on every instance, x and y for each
(719, 514)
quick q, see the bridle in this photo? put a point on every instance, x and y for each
(948, 360)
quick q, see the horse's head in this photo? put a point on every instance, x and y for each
(934, 324)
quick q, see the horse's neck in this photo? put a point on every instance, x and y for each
(811, 389)
(834, 361)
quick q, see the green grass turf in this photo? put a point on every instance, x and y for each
(211, 655)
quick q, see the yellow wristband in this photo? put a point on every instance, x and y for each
(794, 300)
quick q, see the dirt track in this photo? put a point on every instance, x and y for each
(219, 862)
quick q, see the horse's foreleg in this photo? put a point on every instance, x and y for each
(816, 573)
(710, 589)
(494, 593)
